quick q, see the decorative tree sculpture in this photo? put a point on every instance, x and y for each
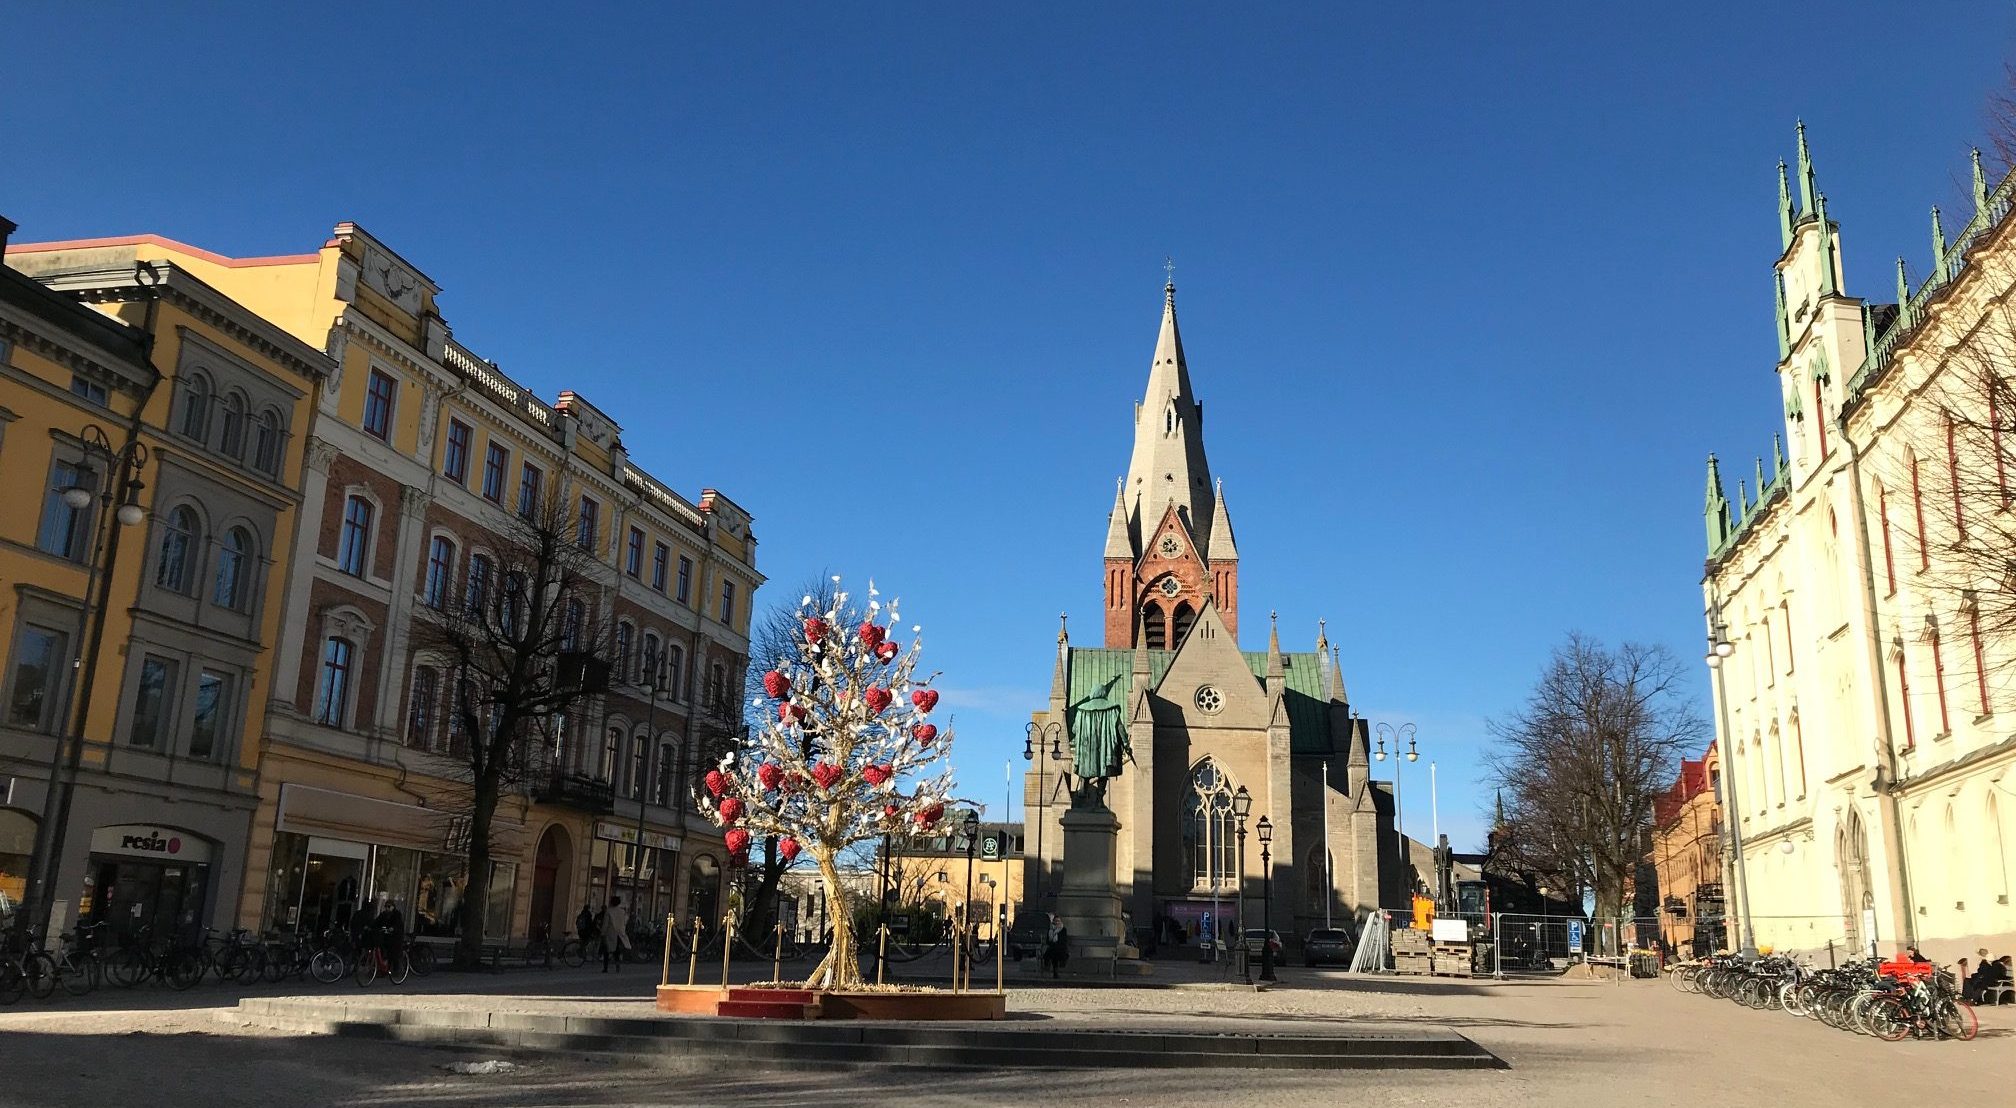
(847, 755)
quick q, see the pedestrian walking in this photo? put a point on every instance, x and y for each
(615, 933)
(584, 929)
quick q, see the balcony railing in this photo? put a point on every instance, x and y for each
(575, 790)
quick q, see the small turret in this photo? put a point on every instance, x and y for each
(1784, 208)
(1716, 510)
(1809, 191)
(1939, 271)
(1980, 184)
(1829, 285)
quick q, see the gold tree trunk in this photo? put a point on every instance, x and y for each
(841, 968)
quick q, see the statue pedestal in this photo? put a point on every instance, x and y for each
(1089, 904)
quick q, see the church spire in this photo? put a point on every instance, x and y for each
(1222, 549)
(1809, 190)
(1784, 208)
(1117, 543)
(1168, 463)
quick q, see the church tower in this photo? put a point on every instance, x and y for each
(1169, 545)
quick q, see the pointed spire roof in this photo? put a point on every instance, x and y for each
(1784, 207)
(1938, 247)
(1118, 545)
(1276, 668)
(1716, 509)
(1059, 676)
(1828, 285)
(1980, 183)
(1777, 455)
(1809, 190)
(1168, 464)
(1222, 548)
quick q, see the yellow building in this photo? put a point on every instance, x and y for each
(419, 453)
(931, 872)
(148, 544)
(1687, 855)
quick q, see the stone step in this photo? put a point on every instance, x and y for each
(767, 1009)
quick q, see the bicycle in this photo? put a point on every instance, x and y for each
(372, 962)
(149, 958)
(78, 964)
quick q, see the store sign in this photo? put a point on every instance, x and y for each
(990, 847)
(627, 834)
(140, 840)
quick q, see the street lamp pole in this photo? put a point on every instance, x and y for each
(1266, 829)
(1242, 803)
(1719, 649)
(1034, 750)
(971, 829)
(121, 487)
(655, 684)
(1406, 731)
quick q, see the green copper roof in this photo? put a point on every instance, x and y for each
(1308, 726)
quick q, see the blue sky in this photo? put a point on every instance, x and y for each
(1468, 291)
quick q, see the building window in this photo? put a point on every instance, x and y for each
(332, 695)
(1209, 832)
(1918, 510)
(421, 706)
(40, 660)
(640, 766)
(528, 490)
(1953, 471)
(665, 771)
(1883, 522)
(228, 590)
(649, 674)
(511, 610)
(476, 590)
(455, 453)
(213, 701)
(151, 697)
(1904, 701)
(353, 548)
(495, 460)
(171, 564)
(685, 579)
(717, 685)
(91, 392)
(660, 556)
(1980, 666)
(440, 572)
(1939, 682)
(633, 554)
(1154, 628)
(1998, 400)
(196, 407)
(266, 444)
(233, 441)
(624, 637)
(588, 524)
(675, 668)
(63, 527)
(612, 755)
(1819, 422)
(728, 602)
(573, 616)
(379, 394)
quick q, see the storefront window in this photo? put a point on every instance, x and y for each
(703, 895)
(437, 901)
(283, 882)
(17, 843)
(497, 914)
(394, 871)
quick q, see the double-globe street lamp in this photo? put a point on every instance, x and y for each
(1044, 742)
(1719, 650)
(117, 493)
(970, 828)
(1266, 830)
(1242, 803)
(1406, 731)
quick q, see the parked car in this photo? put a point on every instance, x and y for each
(1253, 937)
(1028, 933)
(1331, 946)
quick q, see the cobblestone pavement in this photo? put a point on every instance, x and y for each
(1567, 1044)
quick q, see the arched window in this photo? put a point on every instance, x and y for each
(196, 406)
(612, 756)
(1154, 631)
(266, 443)
(573, 616)
(233, 558)
(626, 636)
(332, 694)
(1939, 680)
(1997, 848)
(440, 572)
(353, 547)
(233, 440)
(1904, 699)
(1799, 752)
(1918, 511)
(665, 771)
(1953, 471)
(1889, 559)
(640, 765)
(1184, 618)
(421, 707)
(1209, 834)
(1819, 421)
(675, 669)
(172, 569)
(1980, 662)
(1169, 419)
(512, 607)
(1316, 880)
(648, 675)
(476, 589)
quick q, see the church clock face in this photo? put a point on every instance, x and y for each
(1170, 546)
(1171, 586)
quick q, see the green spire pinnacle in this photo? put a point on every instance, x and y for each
(1784, 320)
(1778, 455)
(1742, 500)
(1784, 207)
(1809, 192)
(1868, 330)
(1980, 184)
(1939, 272)
(1903, 287)
(1761, 486)
(1715, 512)
(1828, 286)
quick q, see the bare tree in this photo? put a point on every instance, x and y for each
(1581, 763)
(523, 648)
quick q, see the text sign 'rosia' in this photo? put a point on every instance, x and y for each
(148, 841)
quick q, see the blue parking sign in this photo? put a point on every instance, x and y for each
(1575, 935)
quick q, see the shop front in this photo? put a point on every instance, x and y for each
(335, 853)
(17, 846)
(642, 871)
(146, 880)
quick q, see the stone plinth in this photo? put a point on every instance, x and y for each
(1088, 903)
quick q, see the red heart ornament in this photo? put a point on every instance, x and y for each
(925, 699)
(730, 809)
(876, 775)
(925, 732)
(871, 635)
(716, 782)
(769, 775)
(885, 651)
(877, 698)
(788, 848)
(776, 684)
(815, 630)
(737, 840)
(827, 774)
(931, 815)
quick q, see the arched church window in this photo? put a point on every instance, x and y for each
(1210, 832)
(1169, 419)
(1184, 618)
(1154, 629)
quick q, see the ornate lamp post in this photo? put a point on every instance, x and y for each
(120, 485)
(1720, 648)
(970, 828)
(1406, 731)
(1242, 803)
(1034, 749)
(1266, 829)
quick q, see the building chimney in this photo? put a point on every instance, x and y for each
(6, 228)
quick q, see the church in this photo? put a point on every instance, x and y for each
(1204, 719)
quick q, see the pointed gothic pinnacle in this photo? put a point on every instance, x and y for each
(1062, 617)
(1809, 199)
(1760, 479)
(1980, 183)
(1903, 285)
(1778, 453)
(1938, 246)
(1784, 207)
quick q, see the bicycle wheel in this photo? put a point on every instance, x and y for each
(421, 957)
(1957, 1021)
(573, 953)
(184, 970)
(401, 968)
(327, 967)
(231, 964)
(127, 968)
(275, 965)
(13, 986)
(77, 976)
(40, 970)
(1888, 1020)
(367, 968)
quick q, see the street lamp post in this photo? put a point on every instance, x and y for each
(1719, 649)
(121, 487)
(1242, 803)
(971, 829)
(1406, 731)
(1266, 829)
(655, 683)
(1034, 749)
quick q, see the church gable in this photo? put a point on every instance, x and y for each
(1208, 682)
(1173, 582)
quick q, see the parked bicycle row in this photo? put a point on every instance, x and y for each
(1886, 1000)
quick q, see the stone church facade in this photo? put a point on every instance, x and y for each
(1204, 718)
